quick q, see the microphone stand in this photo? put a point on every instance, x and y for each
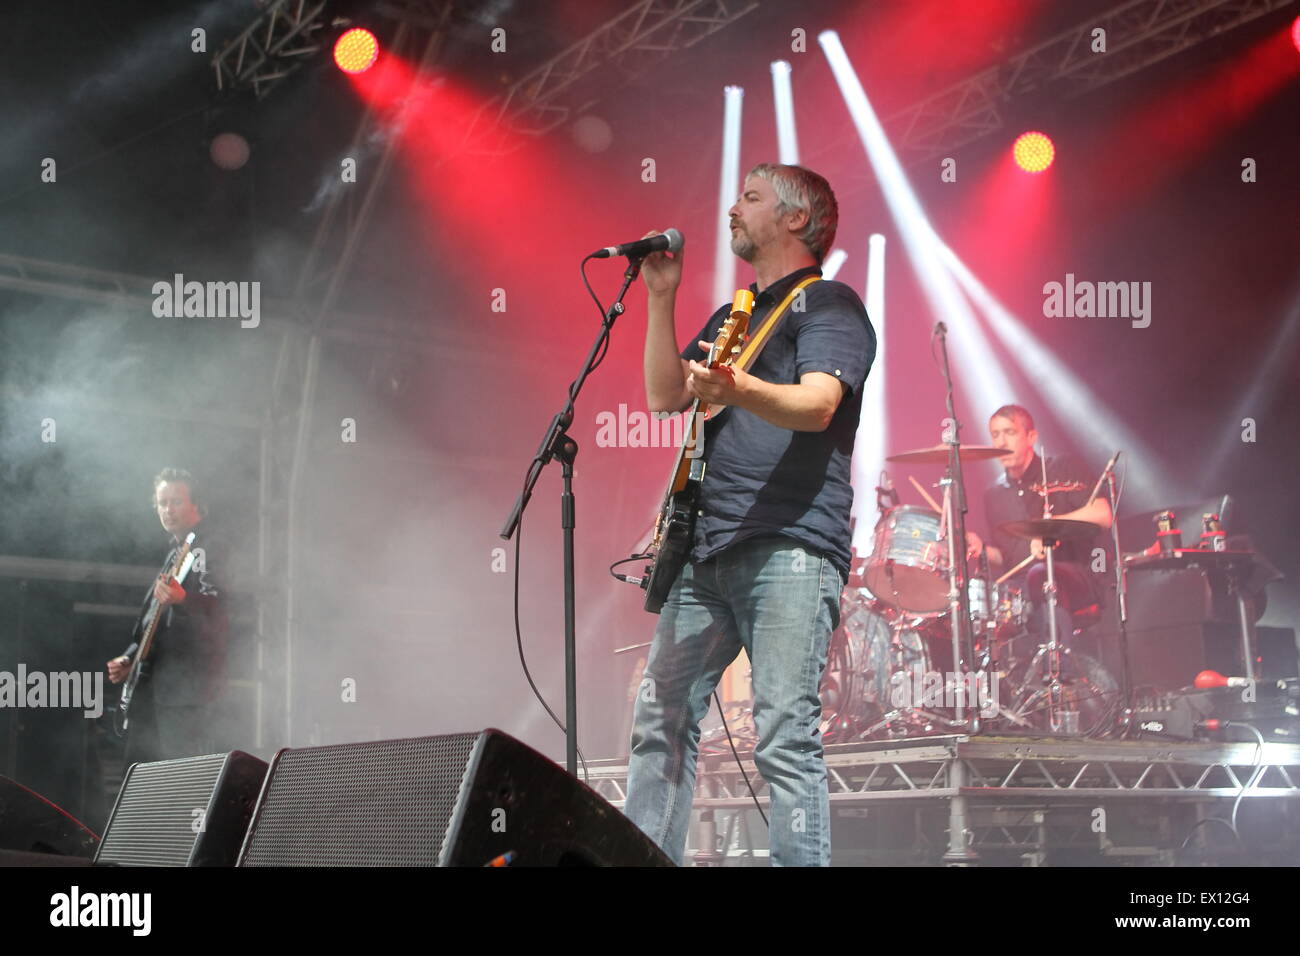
(557, 443)
(959, 592)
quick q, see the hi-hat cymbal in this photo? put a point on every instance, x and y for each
(1049, 529)
(938, 454)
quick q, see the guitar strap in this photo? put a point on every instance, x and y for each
(749, 354)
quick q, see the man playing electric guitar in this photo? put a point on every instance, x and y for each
(771, 537)
(170, 711)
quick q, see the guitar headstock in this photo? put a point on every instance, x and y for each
(731, 337)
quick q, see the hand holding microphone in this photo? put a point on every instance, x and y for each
(662, 273)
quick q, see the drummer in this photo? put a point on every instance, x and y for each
(1016, 496)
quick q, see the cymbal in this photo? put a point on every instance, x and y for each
(938, 454)
(1050, 529)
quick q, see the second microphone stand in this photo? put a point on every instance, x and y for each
(963, 645)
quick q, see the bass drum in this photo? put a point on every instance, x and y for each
(856, 687)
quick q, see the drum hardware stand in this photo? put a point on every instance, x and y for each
(989, 661)
(1124, 715)
(706, 833)
(954, 502)
(910, 715)
(986, 657)
(1055, 716)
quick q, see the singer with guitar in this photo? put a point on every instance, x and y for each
(170, 713)
(770, 542)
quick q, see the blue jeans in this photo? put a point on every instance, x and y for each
(780, 603)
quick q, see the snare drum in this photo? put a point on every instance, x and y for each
(1005, 614)
(908, 564)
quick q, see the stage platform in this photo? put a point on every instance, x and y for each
(967, 800)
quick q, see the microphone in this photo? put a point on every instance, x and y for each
(1110, 465)
(670, 240)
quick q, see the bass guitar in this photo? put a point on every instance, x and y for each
(178, 569)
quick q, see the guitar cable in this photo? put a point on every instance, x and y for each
(627, 578)
(752, 795)
(1249, 781)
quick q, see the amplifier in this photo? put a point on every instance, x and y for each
(1202, 714)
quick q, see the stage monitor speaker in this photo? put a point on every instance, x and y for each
(32, 824)
(188, 812)
(457, 800)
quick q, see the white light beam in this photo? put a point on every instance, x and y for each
(724, 263)
(869, 446)
(987, 383)
(787, 142)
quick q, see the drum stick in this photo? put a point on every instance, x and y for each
(924, 494)
(1014, 570)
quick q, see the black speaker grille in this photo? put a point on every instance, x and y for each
(385, 803)
(153, 821)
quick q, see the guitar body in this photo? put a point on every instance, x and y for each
(675, 533)
(121, 721)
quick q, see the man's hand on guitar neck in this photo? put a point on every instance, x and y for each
(167, 591)
(118, 669)
(716, 386)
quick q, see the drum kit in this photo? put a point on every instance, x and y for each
(891, 669)
(925, 647)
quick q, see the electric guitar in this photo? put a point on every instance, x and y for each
(675, 525)
(178, 569)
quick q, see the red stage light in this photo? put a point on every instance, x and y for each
(356, 50)
(1295, 33)
(1034, 152)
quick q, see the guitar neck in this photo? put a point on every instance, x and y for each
(178, 567)
(146, 639)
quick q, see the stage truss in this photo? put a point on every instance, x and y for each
(961, 799)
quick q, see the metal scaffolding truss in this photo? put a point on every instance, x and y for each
(278, 42)
(1139, 33)
(1009, 792)
(646, 33)
(930, 768)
